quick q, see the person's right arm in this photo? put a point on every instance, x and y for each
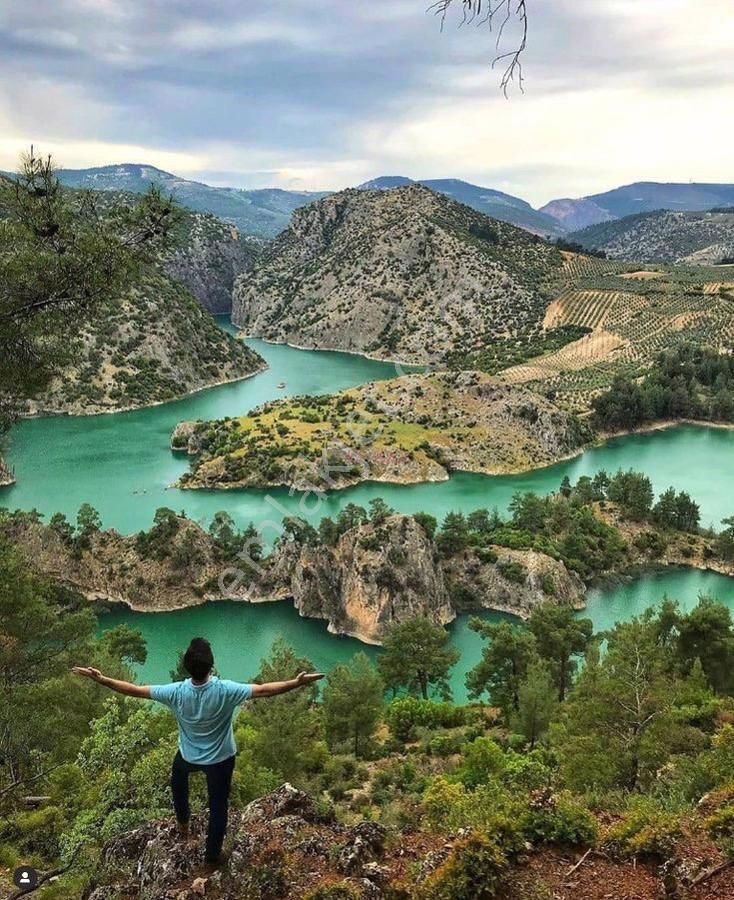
(273, 688)
(142, 691)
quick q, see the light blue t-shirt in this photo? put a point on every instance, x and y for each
(204, 713)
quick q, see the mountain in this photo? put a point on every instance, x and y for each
(260, 212)
(157, 342)
(492, 203)
(404, 273)
(702, 238)
(575, 214)
(642, 196)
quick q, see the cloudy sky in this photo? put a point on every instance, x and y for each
(328, 93)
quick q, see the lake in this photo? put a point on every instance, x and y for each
(122, 465)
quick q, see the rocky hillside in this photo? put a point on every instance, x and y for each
(153, 345)
(208, 256)
(702, 238)
(405, 273)
(489, 201)
(287, 845)
(406, 430)
(259, 212)
(370, 576)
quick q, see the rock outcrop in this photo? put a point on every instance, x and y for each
(517, 582)
(154, 345)
(208, 258)
(374, 577)
(157, 342)
(403, 274)
(280, 848)
(7, 475)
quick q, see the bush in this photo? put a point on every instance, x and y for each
(645, 830)
(341, 891)
(720, 827)
(483, 759)
(559, 819)
(405, 715)
(444, 744)
(473, 871)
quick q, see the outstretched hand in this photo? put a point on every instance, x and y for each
(88, 672)
(308, 677)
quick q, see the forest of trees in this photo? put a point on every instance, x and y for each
(688, 382)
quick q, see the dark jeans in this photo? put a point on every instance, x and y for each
(218, 783)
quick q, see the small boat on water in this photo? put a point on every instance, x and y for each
(281, 385)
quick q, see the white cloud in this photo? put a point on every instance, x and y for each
(327, 96)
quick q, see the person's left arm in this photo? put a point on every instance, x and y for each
(127, 688)
(273, 688)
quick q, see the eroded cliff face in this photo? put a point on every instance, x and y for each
(6, 474)
(517, 582)
(374, 577)
(209, 259)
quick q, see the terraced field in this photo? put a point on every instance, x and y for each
(633, 314)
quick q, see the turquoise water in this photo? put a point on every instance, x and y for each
(241, 634)
(122, 464)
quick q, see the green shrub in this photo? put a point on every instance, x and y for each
(558, 819)
(341, 891)
(405, 715)
(444, 744)
(720, 827)
(473, 871)
(645, 830)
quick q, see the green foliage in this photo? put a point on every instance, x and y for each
(286, 727)
(688, 381)
(157, 543)
(473, 871)
(60, 256)
(353, 703)
(508, 651)
(645, 830)
(417, 657)
(558, 819)
(536, 702)
(405, 715)
(559, 637)
(720, 827)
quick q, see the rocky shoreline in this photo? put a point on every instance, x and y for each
(370, 576)
(375, 575)
(7, 476)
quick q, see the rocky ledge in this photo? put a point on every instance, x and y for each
(280, 846)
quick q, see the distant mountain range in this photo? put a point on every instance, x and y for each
(267, 211)
(263, 212)
(640, 197)
(701, 238)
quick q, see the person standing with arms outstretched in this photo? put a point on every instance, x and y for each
(204, 707)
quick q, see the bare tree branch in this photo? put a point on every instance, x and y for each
(498, 14)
